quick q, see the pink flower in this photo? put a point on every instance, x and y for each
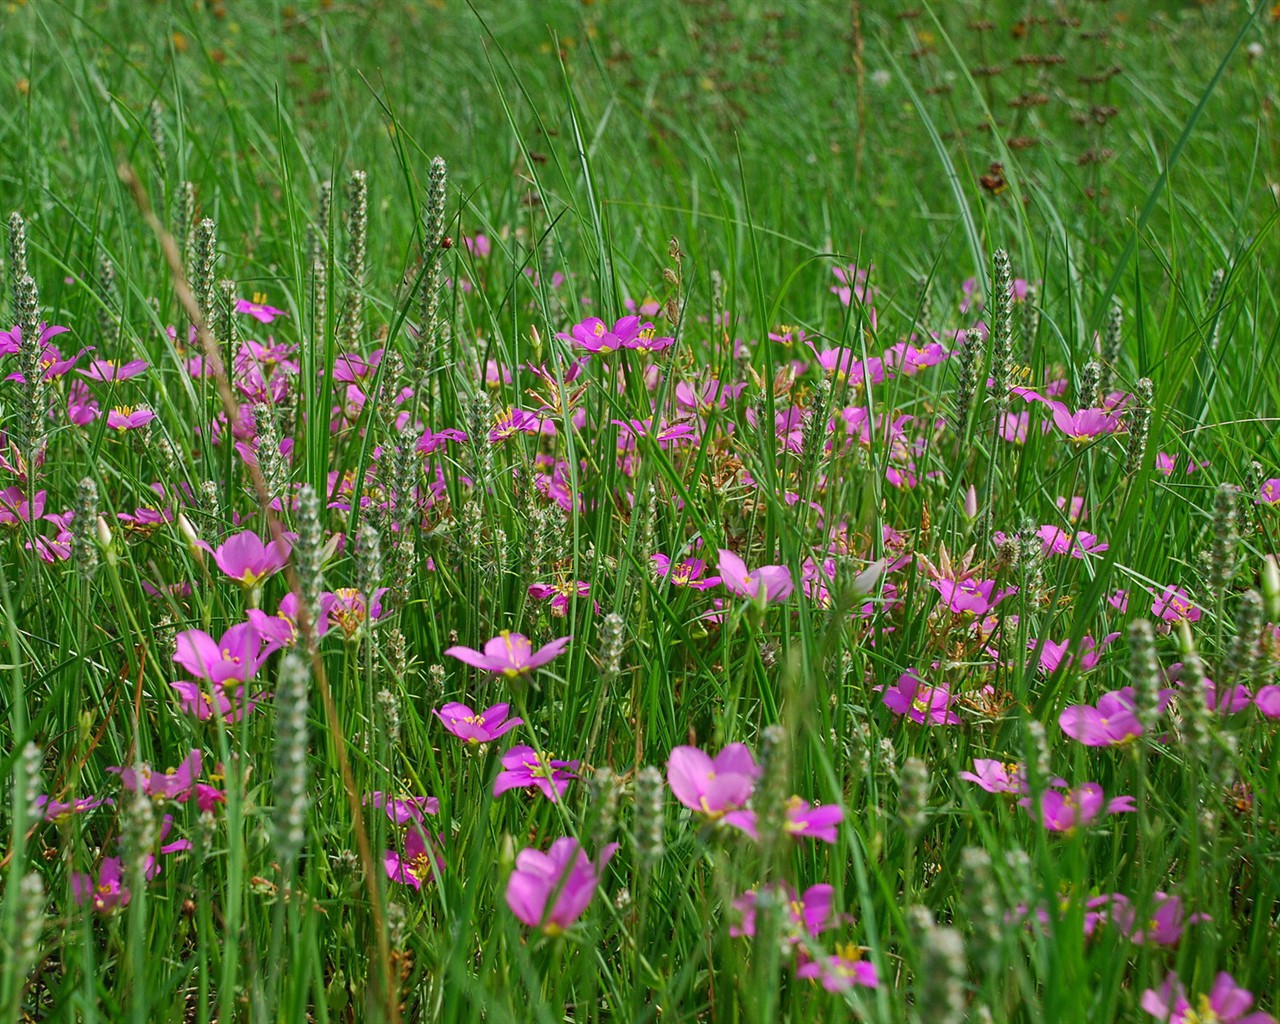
(970, 597)
(352, 368)
(817, 822)
(404, 809)
(107, 893)
(628, 332)
(1267, 700)
(920, 702)
(475, 729)
(247, 560)
(839, 971)
(1086, 655)
(1270, 492)
(769, 583)
(258, 309)
(560, 593)
(1119, 601)
(810, 913)
(997, 776)
(714, 788)
(1112, 723)
(686, 573)
(524, 768)
(1165, 921)
(109, 369)
(1066, 812)
(1083, 426)
(237, 656)
(1058, 541)
(175, 784)
(551, 890)
(129, 418)
(510, 654)
(1174, 605)
(414, 865)
(216, 701)
(346, 608)
(55, 810)
(1226, 1003)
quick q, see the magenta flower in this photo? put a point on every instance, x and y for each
(509, 654)
(1057, 541)
(551, 890)
(217, 701)
(404, 809)
(560, 594)
(970, 597)
(1174, 605)
(414, 865)
(913, 697)
(767, 584)
(55, 810)
(1054, 654)
(1267, 700)
(352, 368)
(247, 560)
(129, 418)
(175, 784)
(1113, 722)
(524, 768)
(810, 913)
(1226, 1003)
(839, 971)
(686, 573)
(258, 309)
(346, 608)
(107, 893)
(109, 369)
(475, 729)
(997, 776)
(628, 332)
(1083, 426)
(237, 656)
(16, 507)
(714, 788)
(1076, 808)
(813, 820)
(1165, 922)
(516, 421)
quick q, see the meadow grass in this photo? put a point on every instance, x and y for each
(961, 322)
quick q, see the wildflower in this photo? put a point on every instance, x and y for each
(563, 874)
(1113, 722)
(1165, 922)
(509, 654)
(346, 607)
(1057, 541)
(129, 418)
(769, 583)
(108, 892)
(1226, 1003)
(810, 913)
(818, 822)
(1220, 697)
(110, 370)
(997, 776)
(1085, 655)
(685, 573)
(236, 656)
(524, 768)
(1086, 424)
(1174, 605)
(16, 507)
(1119, 601)
(560, 593)
(1065, 812)
(1267, 700)
(717, 787)
(247, 560)
(258, 309)
(473, 728)
(175, 784)
(56, 810)
(970, 597)
(218, 701)
(628, 332)
(352, 368)
(404, 809)
(413, 866)
(1167, 463)
(839, 971)
(920, 702)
